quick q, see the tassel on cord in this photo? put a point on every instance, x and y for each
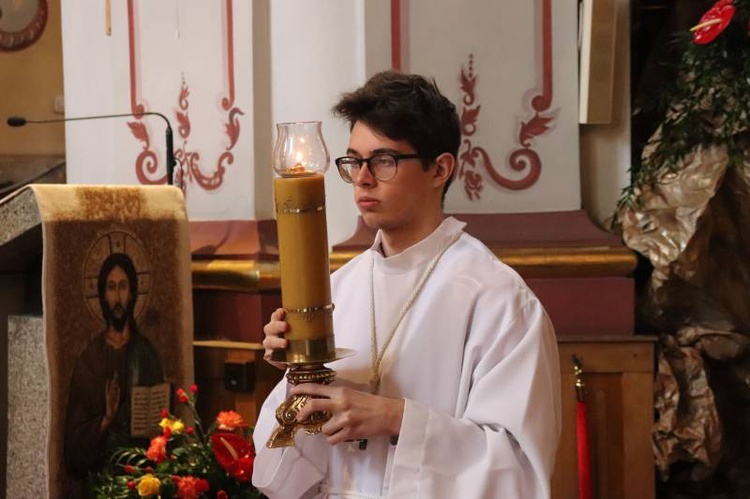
(582, 434)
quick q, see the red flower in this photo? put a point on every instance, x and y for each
(164, 414)
(194, 388)
(221, 495)
(234, 454)
(190, 430)
(182, 396)
(189, 487)
(128, 469)
(131, 484)
(167, 432)
(713, 22)
(157, 451)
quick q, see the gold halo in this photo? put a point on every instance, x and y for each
(115, 241)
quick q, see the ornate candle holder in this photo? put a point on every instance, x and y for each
(300, 158)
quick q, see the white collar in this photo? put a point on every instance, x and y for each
(419, 253)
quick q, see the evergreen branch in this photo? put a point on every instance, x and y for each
(707, 105)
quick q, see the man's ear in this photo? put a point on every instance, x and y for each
(444, 166)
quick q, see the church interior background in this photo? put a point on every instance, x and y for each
(648, 299)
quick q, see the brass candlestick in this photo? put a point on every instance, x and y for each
(301, 158)
(286, 413)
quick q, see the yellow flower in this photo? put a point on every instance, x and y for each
(176, 425)
(149, 485)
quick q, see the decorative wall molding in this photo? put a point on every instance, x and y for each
(542, 120)
(147, 165)
(473, 160)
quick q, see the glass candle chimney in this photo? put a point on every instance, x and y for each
(300, 149)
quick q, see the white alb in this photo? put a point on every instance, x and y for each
(474, 357)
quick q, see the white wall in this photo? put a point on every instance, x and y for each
(317, 53)
(313, 51)
(507, 45)
(178, 45)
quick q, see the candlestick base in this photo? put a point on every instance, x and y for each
(286, 413)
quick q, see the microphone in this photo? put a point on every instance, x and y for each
(16, 121)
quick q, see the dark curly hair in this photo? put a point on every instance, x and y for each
(405, 107)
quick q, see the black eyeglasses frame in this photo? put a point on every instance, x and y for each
(360, 161)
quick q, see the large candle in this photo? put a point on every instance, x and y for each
(303, 260)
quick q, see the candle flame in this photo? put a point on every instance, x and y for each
(301, 164)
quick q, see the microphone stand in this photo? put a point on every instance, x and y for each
(17, 121)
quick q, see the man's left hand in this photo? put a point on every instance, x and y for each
(354, 415)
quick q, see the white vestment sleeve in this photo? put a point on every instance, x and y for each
(503, 443)
(287, 472)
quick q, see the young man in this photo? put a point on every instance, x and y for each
(455, 385)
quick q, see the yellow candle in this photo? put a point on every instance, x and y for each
(303, 256)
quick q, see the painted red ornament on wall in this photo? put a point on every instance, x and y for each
(474, 160)
(189, 160)
(189, 168)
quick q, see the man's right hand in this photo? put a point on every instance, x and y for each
(274, 339)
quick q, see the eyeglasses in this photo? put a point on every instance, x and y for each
(382, 166)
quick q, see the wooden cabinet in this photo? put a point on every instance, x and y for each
(618, 374)
(217, 363)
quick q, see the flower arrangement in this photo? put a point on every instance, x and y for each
(707, 104)
(187, 462)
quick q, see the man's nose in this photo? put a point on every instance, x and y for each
(365, 178)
